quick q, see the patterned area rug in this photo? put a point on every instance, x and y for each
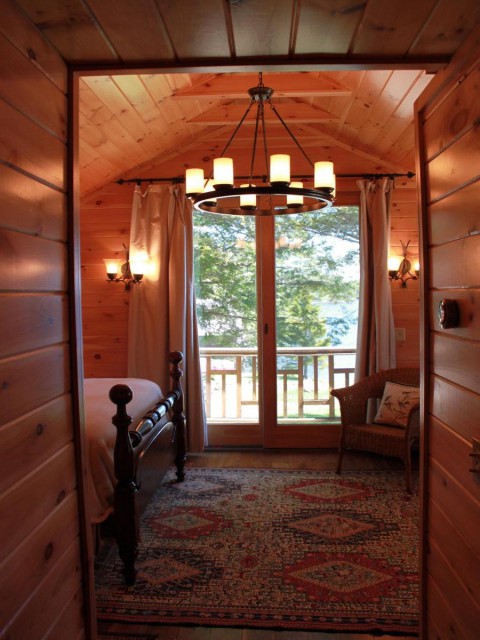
(274, 549)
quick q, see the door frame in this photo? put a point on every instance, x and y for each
(465, 58)
(271, 64)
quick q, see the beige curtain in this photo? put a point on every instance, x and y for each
(376, 336)
(162, 315)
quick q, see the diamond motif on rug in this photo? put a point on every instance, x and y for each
(322, 490)
(198, 487)
(303, 550)
(341, 577)
(331, 525)
(157, 571)
(187, 523)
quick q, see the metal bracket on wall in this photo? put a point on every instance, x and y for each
(475, 455)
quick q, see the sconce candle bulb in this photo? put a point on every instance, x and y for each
(131, 272)
(400, 268)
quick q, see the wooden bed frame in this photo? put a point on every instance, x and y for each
(161, 433)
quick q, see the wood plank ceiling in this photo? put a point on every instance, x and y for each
(354, 67)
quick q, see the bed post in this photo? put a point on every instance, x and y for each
(126, 521)
(175, 357)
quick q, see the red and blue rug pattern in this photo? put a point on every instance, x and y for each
(306, 550)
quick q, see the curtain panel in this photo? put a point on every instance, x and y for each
(162, 313)
(376, 333)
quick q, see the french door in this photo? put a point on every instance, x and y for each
(267, 344)
(296, 281)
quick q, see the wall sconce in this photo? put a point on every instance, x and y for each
(129, 272)
(401, 268)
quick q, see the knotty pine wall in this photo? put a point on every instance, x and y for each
(104, 228)
(41, 568)
(406, 301)
(105, 225)
(448, 129)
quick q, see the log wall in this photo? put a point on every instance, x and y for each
(449, 160)
(42, 559)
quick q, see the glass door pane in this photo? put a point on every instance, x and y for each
(226, 293)
(316, 305)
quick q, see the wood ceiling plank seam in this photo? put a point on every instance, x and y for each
(90, 181)
(389, 143)
(294, 20)
(403, 149)
(392, 30)
(157, 85)
(135, 29)
(383, 79)
(202, 35)
(115, 134)
(394, 167)
(227, 13)
(104, 88)
(230, 86)
(142, 103)
(261, 27)
(96, 158)
(358, 76)
(421, 29)
(316, 129)
(150, 168)
(363, 100)
(383, 106)
(291, 112)
(167, 31)
(111, 126)
(88, 100)
(106, 147)
(342, 102)
(100, 29)
(327, 27)
(353, 39)
(172, 111)
(165, 156)
(394, 92)
(70, 30)
(397, 124)
(450, 23)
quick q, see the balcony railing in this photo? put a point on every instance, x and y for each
(305, 377)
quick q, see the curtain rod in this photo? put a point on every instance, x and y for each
(180, 179)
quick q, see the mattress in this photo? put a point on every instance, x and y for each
(101, 434)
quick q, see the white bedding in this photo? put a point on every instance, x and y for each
(101, 434)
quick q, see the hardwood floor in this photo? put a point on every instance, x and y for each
(264, 459)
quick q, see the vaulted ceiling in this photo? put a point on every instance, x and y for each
(157, 125)
(171, 77)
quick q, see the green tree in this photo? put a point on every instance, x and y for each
(310, 272)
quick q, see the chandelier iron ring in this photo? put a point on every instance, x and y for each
(209, 195)
(209, 200)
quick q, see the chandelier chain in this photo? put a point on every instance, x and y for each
(289, 132)
(237, 128)
(254, 145)
(265, 145)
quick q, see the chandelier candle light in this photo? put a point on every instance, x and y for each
(215, 195)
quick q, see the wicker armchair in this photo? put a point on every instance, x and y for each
(357, 434)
